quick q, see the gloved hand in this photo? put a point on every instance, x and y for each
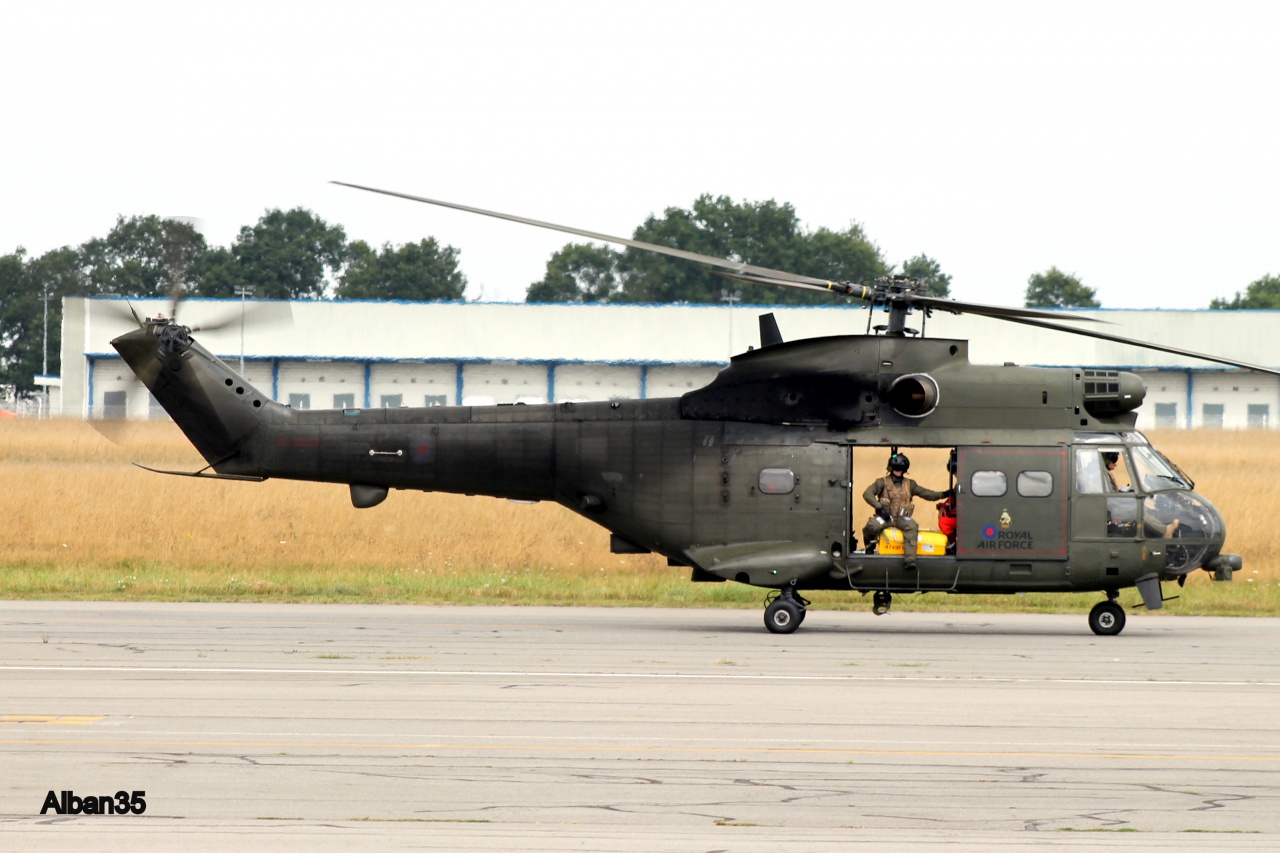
(882, 513)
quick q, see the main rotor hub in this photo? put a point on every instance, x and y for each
(892, 293)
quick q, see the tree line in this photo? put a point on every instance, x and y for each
(291, 254)
(296, 255)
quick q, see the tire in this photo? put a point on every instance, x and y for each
(783, 616)
(1106, 619)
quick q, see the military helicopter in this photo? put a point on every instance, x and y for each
(750, 478)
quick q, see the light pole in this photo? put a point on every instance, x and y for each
(730, 297)
(242, 292)
(44, 367)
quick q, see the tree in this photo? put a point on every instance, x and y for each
(1263, 293)
(23, 285)
(580, 272)
(217, 273)
(17, 310)
(419, 272)
(765, 234)
(929, 271)
(141, 256)
(1056, 289)
(287, 255)
(846, 256)
(762, 233)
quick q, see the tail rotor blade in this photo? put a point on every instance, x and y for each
(259, 315)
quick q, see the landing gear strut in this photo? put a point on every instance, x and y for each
(1106, 619)
(881, 602)
(784, 614)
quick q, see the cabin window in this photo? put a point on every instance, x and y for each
(1035, 484)
(988, 484)
(777, 481)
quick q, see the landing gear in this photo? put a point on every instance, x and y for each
(881, 602)
(1106, 619)
(784, 614)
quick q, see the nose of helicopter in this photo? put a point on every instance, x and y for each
(1191, 531)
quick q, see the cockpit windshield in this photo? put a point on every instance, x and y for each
(1155, 473)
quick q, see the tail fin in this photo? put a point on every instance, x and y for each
(216, 408)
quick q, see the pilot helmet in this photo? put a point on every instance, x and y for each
(951, 463)
(1110, 456)
(899, 462)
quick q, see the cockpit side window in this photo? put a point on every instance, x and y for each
(1116, 466)
(1088, 471)
(1101, 470)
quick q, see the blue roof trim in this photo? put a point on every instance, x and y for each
(320, 359)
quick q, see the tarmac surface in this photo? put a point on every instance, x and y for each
(477, 728)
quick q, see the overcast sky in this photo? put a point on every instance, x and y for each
(1134, 144)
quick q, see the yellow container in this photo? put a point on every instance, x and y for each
(930, 543)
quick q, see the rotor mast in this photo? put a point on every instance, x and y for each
(894, 293)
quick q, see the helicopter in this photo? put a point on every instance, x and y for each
(750, 479)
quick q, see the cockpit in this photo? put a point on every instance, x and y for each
(1147, 498)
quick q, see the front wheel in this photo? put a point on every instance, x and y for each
(783, 616)
(1106, 619)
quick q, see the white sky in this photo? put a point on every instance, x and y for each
(1135, 144)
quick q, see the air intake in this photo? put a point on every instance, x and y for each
(1110, 392)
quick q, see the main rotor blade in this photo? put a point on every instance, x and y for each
(737, 266)
(855, 290)
(1089, 333)
(957, 307)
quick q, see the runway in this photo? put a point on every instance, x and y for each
(450, 728)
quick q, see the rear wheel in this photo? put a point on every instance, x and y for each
(1106, 619)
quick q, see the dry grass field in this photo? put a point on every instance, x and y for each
(81, 522)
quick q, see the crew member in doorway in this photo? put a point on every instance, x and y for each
(891, 498)
(947, 509)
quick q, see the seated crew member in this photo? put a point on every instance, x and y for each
(891, 498)
(1111, 459)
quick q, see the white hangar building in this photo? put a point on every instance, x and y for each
(363, 354)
